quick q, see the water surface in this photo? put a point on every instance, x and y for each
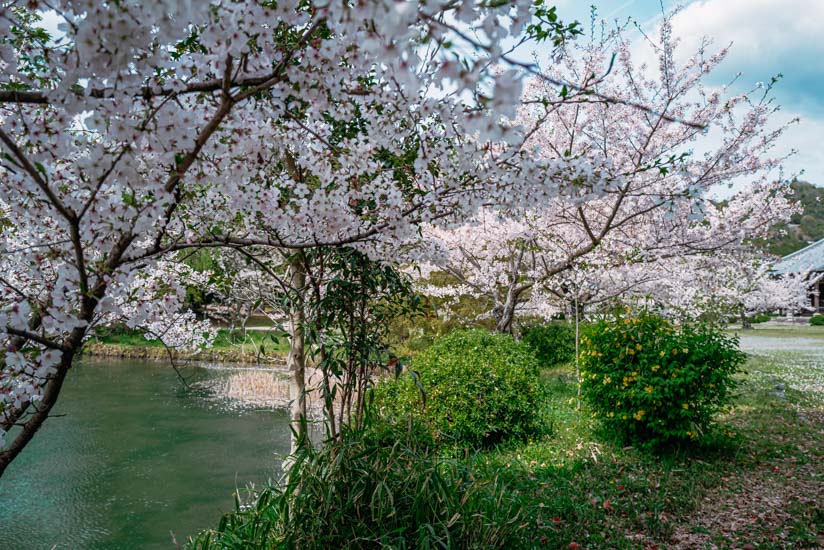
(136, 456)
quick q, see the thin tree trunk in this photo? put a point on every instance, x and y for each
(296, 361)
(745, 324)
(577, 340)
(507, 312)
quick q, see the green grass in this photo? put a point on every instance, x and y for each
(253, 342)
(781, 331)
(579, 487)
(125, 337)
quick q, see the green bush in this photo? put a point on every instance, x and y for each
(471, 388)
(553, 343)
(363, 493)
(817, 320)
(760, 318)
(651, 382)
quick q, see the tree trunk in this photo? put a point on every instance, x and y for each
(745, 324)
(505, 314)
(577, 350)
(296, 361)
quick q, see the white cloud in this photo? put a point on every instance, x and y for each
(806, 138)
(767, 36)
(770, 37)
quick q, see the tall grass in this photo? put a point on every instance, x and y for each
(367, 492)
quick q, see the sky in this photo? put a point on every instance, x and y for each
(768, 37)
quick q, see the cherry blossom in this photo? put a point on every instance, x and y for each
(649, 193)
(147, 128)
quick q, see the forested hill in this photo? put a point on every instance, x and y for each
(804, 228)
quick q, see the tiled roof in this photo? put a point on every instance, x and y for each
(810, 258)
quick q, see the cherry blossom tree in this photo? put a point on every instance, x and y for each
(143, 129)
(728, 283)
(650, 193)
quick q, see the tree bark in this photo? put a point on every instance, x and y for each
(745, 324)
(296, 361)
(505, 314)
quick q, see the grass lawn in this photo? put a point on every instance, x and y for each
(253, 342)
(775, 330)
(758, 481)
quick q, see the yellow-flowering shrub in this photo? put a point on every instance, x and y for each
(652, 382)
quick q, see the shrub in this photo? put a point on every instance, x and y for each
(362, 493)
(817, 320)
(553, 343)
(760, 318)
(651, 382)
(471, 388)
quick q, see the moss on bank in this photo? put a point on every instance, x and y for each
(253, 347)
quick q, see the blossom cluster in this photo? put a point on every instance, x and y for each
(144, 128)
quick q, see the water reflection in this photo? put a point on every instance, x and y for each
(138, 456)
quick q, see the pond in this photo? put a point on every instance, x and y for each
(134, 455)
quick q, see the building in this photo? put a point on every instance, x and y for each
(809, 261)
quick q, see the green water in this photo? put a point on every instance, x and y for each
(136, 456)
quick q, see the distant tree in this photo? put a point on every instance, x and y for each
(648, 195)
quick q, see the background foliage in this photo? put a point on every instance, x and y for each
(553, 343)
(803, 228)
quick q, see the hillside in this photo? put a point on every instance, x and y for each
(803, 228)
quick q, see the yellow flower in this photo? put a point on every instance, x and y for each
(685, 406)
(631, 351)
(638, 347)
(662, 354)
(685, 350)
(655, 368)
(639, 415)
(634, 373)
(674, 351)
(648, 389)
